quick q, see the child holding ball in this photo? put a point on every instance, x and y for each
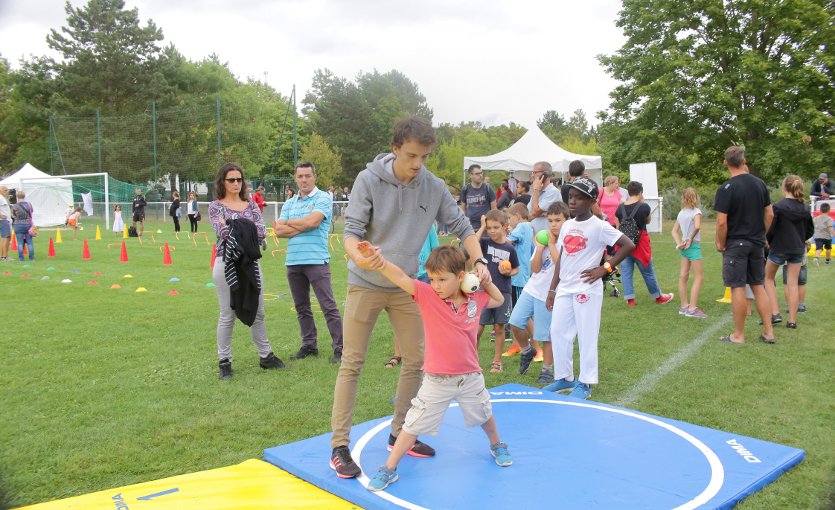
(531, 304)
(451, 369)
(502, 262)
(689, 222)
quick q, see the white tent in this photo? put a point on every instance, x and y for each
(50, 196)
(532, 148)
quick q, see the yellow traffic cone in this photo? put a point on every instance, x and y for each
(98, 233)
(58, 236)
(125, 233)
(727, 298)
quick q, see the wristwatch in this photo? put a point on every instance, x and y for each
(482, 260)
(608, 267)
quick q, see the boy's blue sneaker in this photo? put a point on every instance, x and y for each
(526, 359)
(581, 391)
(499, 451)
(384, 477)
(560, 385)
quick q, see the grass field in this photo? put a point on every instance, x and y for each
(107, 387)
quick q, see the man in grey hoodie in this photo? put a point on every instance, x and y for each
(393, 199)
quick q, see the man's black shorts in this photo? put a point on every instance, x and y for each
(743, 262)
(137, 216)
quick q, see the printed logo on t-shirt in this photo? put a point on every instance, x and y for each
(581, 298)
(497, 254)
(309, 207)
(575, 243)
(472, 309)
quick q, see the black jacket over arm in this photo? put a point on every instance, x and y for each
(242, 272)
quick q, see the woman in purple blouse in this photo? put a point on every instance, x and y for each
(232, 203)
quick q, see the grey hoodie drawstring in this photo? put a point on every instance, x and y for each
(400, 196)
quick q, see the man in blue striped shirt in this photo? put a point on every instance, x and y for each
(305, 220)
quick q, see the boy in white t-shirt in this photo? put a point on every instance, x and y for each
(577, 302)
(531, 303)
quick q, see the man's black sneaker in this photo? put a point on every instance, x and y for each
(775, 319)
(225, 369)
(337, 356)
(305, 351)
(272, 361)
(343, 464)
(525, 360)
(419, 449)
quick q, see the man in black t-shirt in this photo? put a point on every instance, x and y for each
(744, 216)
(139, 204)
(477, 197)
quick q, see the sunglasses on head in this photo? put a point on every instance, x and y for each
(234, 179)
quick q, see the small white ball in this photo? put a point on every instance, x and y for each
(470, 283)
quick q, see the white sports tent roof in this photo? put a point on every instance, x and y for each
(50, 196)
(533, 147)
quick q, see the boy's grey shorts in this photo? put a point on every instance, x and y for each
(435, 395)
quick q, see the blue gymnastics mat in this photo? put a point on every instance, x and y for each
(566, 452)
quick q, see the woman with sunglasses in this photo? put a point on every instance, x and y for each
(232, 203)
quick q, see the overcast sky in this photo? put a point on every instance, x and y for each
(495, 61)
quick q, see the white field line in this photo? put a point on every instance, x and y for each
(648, 382)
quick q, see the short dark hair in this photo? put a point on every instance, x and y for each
(220, 182)
(304, 164)
(473, 167)
(559, 207)
(825, 207)
(496, 215)
(576, 168)
(414, 129)
(735, 156)
(634, 188)
(446, 258)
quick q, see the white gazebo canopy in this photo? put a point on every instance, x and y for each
(533, 147)
(50, 196)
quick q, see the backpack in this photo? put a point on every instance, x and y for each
(132, 232)
(629, 226)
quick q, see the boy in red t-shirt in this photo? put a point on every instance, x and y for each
(451, 370)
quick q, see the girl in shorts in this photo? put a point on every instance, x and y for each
(791, 227)
(72, 220)
(689, 223)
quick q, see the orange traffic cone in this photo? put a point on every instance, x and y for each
(275, 226)
(86, 254)
(51, 249)
(213, 256)
(166, 259)
(124, 257)
(25, 251)
(14, 242)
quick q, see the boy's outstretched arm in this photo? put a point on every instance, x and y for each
(496, 297)
(389, 270)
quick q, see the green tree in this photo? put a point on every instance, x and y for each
(359, 117)
(110, 61)
(468, 139)
(325, 158)
(700, 76)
